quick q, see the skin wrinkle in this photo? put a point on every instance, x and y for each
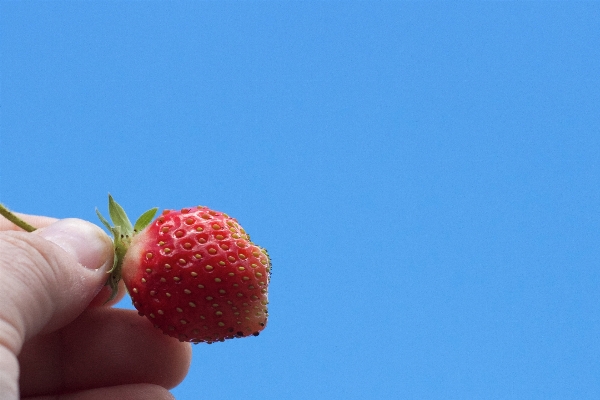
(12, 328)
(8, 336)
(40, 302)
(12, 244)
(8, 365)
(33, 250)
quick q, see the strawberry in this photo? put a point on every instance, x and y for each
(194, 273)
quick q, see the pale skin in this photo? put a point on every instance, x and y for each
(58, 340)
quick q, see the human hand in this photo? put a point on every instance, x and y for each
(57, 339)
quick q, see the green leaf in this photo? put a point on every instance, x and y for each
(145, 219)
(117, 233)
(118, 216)
(103, 220)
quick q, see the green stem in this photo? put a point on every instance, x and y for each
(15, 220)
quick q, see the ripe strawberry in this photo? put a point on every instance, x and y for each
(193, 273)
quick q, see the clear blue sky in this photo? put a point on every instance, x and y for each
(425, 176)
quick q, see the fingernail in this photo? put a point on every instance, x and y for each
(85, 241)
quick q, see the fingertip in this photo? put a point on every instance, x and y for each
(85, 241)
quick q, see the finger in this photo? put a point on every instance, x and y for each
(44, 282)
(40, 222)
(36, 221)
(122, 392)
(103, 347)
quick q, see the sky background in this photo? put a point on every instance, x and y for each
(425, 177)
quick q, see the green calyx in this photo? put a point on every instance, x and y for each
(123, 231)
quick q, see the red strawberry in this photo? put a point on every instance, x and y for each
(193, 273)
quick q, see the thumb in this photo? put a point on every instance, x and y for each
(49, 277)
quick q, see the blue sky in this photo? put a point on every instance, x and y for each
(424, 175)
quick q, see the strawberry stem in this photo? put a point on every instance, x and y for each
(122, 232)
(9, 215)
